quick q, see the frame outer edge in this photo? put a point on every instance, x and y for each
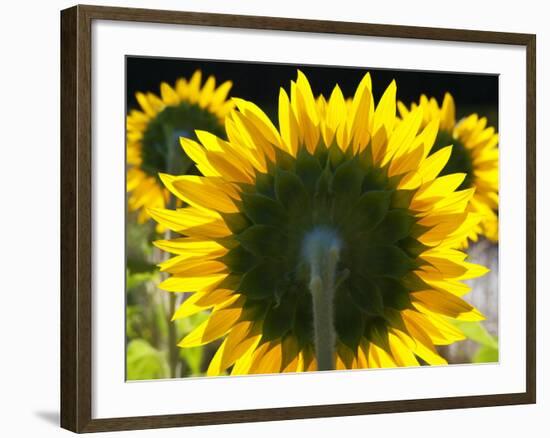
(76, 220)
(68, 346)
(531, 217)
(76, 250)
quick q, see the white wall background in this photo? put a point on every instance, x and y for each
(29, 215)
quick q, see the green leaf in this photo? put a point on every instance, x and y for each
(486, 354)
(193, 359)
(186, 325)
(349, 322)
(137, 265)
(371, 209)
(137, 279)
(262, 240)
(144, 362)
(262, 280)
(263, 210)
(476, 331)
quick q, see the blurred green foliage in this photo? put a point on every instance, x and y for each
(487, 350)
(148, 316)
(144, 362)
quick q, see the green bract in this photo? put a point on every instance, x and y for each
(339, 194)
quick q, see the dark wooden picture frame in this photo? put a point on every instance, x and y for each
(76, 218)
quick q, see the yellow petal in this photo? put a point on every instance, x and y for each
(191, 221)
(428, 169)
(207, 92)
(401, 353)
(176, 283)
(447, 304)
(193, 304)
(287, 123)
(438, 188)
(203, 192)
(193, 267)
(191, 246)
(384, 119)
(448, 113)
(260, 121)
(362, 115)
(198, 154)
(403, 135)
(169, 95)
(218, 324)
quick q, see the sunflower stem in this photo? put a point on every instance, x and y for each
(173, 352)
(322, 251)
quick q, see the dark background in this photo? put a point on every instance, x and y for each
(260, 82)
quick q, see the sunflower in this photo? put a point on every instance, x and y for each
(328, 243)
(475, 153)
(153, 135)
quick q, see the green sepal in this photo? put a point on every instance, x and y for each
(263, 240)
(386, 261)
(264, 184)
(393, 293)
(366, 294)
(412, 246)
(261, 209)
(370, 209)
(378, 333)
(348, 322)
(323, 185)
(394, 227)
(402, 198)
(261, 281)
(335, 155)
(291, 192)
(303, 322)
(348, 179)
(375, 179)
(308, 169)
(279, 318)
(236, 222)
(238, 260)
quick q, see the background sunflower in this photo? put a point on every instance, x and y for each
(474, 152)
(470, 91)
(153, 131)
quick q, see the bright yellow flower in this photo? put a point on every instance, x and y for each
(153, 135)
(475, 153)
(325, 243)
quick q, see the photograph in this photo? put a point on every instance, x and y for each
(287, 218)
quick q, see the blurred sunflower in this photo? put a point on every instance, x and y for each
(475, 153)
(326, 243)
(153, 135)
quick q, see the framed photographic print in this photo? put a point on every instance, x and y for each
(267, 219)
